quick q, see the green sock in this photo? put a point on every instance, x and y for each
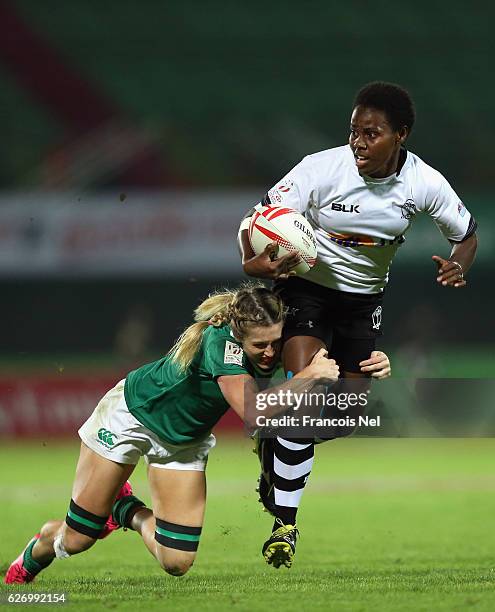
(32, 566)
(122, 508)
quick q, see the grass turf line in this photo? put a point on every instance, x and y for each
(385, 525)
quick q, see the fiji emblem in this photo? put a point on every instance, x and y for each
(376, 317)
(408, 209)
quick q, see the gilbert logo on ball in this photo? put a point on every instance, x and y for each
(289, 229)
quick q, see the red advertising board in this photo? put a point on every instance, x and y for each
(37, 406)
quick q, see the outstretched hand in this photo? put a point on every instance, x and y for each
(378, 365)
(450, 273)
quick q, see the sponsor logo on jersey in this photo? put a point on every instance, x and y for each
(285, 186)
(358, 240)
(408, 209)
(347, 208)
(105, 437)
(461, 209)
(275, 197)
(233, 353)
(376, 317)
(309, 324)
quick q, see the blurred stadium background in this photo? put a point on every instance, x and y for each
(134, 137)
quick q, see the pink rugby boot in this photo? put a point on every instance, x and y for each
(112, 525)
(17, 573)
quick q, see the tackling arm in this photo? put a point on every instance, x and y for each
(242, 394)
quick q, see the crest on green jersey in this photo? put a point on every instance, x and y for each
(233, 353)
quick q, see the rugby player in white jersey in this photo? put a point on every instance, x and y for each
(361, 198)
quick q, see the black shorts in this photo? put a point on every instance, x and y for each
(348, 323)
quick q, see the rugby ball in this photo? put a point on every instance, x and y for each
(289, 229)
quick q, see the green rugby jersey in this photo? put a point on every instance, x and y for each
(182, 407)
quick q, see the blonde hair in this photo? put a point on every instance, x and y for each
(250, 304)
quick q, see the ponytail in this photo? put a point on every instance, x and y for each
(252, 304)
(212, 311)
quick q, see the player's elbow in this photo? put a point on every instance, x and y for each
(474, 242)
(248, 414)
(250, 422)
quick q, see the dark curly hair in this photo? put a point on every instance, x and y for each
(392, 99)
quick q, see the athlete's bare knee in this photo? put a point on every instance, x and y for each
(177, 569)
(49, 529)
(176, 564)
(74, 542)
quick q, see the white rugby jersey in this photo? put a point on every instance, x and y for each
(360, 222)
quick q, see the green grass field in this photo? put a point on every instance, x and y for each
(401, 524)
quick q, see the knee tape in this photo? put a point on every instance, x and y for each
(58, 547)
(175, 536)
(85, 522)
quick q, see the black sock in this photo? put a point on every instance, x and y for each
(286, 515)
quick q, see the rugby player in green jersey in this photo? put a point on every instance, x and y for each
(164, 412)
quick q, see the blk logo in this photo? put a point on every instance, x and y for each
(347, 208)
